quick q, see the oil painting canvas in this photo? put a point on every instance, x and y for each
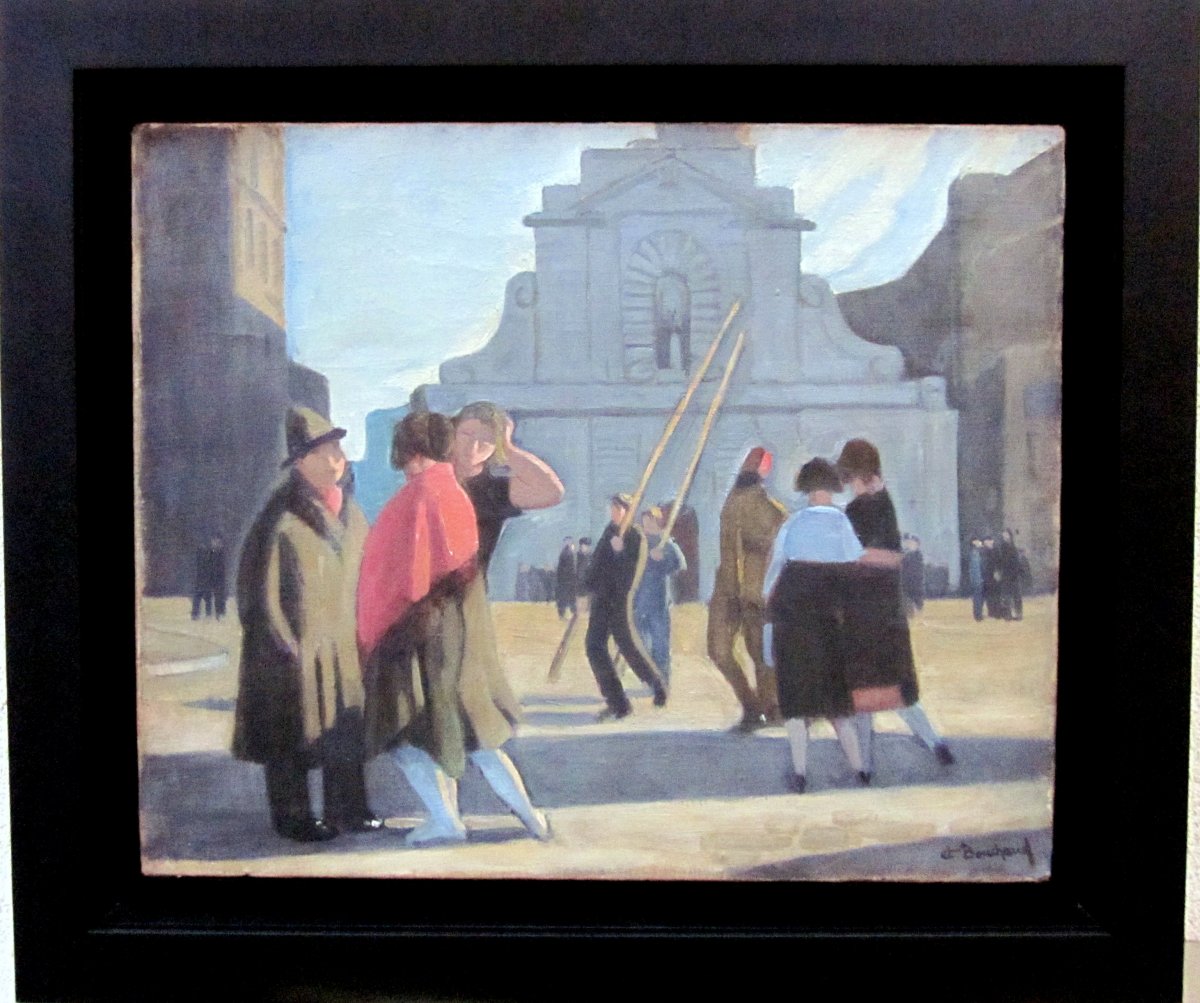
(600, 501)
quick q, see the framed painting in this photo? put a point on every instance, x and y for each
(312, 296)
(621, 316)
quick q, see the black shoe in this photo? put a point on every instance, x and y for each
(368, 823)
(308, 830)
(610, 714)
(660, 698)
(943, 753)
(797, 783)
(864, 778)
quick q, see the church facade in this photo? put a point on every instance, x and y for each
(636, 268)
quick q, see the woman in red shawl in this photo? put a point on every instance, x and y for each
(419, 585)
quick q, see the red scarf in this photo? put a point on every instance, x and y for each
(426, 532)
(332, 497)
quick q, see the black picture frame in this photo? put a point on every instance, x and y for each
(1106, 926)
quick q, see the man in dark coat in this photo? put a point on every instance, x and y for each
(210, 579)
(1009, 561)
(993, 599)
(613, 576)
(583, 560)
(566, 585)
(300, 690)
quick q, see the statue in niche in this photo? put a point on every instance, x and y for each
(672, 322)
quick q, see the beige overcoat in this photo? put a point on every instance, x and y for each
(297, 579)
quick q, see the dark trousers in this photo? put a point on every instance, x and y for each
(565, 604)
(610, 618)
(208, 597)
(343, 781)
(1016, 605)
(977, 602)
(729, 616)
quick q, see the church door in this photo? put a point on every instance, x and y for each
(686, 533)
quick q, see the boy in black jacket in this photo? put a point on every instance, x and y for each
(612, 577)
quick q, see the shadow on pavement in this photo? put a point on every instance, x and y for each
(209, 806)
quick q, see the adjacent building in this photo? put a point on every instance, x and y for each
(213, 375)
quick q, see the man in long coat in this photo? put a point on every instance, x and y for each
(750, 521)
(300, 692)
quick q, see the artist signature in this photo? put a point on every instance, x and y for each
(965, 851)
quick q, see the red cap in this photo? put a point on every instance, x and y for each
(758, 460)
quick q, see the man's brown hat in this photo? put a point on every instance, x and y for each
(305, 431)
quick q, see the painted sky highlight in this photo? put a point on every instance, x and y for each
(401, 238)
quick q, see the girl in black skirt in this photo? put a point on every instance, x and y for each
(879, 649)
(803, 638)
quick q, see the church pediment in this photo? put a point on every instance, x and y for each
(668, 184)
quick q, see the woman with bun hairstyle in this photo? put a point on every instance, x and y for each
(432, 704)
(802, 639)
(879, 654)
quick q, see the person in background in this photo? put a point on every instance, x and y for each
(879, 648)
(651, 602)
(524, 586)
(613, 576)
(993, 597)
(583, 560)
(210, 579)
(912, 574)
(300, 692)
(419, 593)
(803, 589)
(1009, 561)
(566, 584)
(750, 521)
(975, 577)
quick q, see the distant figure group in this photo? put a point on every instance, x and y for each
(998, 574)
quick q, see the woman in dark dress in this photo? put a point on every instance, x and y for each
(803, 638)
(879, 658)
(483, 440)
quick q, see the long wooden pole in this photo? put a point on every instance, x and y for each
(560, 653)
(674, 420)
(705, 429)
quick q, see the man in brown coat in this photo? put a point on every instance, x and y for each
(750, 520)
(300, 691)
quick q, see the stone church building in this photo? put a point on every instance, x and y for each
(636, 267)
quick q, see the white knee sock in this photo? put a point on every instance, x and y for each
(797, 733)
(864, 725)
(501, 774)
(847, 733)
(917, 721)
(437, 791)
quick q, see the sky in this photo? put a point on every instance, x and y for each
(401, 238)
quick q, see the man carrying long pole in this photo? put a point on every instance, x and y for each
(636, 499)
